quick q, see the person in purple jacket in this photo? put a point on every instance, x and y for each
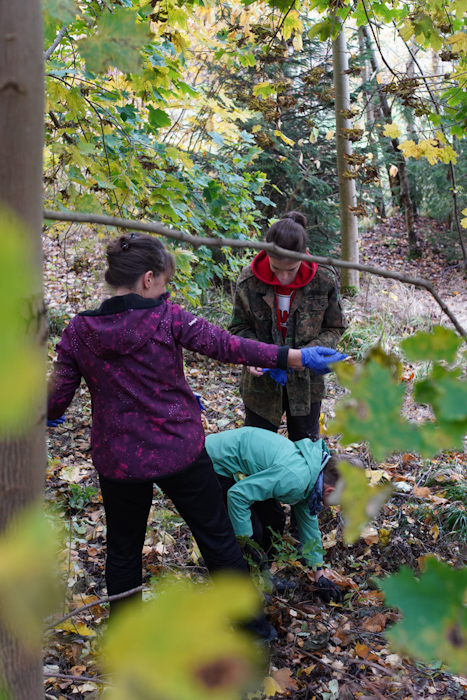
(146, 424)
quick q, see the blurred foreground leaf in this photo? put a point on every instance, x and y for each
(373, 411)
(360, 502)
(181, 645)
(29, 583)
(435, 618)
(441, 344)
(21, 365)
(117, 43)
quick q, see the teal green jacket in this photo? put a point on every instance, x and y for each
(274, 467)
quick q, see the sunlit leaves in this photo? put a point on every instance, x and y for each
(21, 368)
(359, 501)
(431, 149)
(117, 42)
(181, 645)
(435, 617)
(29, 584)
(440, 344)
(392, 130)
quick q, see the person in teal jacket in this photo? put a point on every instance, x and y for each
(257, 469)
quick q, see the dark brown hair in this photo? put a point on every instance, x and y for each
(133, 254)
(289, 232)
(331, 473)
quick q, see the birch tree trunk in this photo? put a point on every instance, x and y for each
(347, 197)
(22, 460)
(403, 174)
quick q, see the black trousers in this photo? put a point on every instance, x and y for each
(298, 427)
(196, 494)
(265, 515)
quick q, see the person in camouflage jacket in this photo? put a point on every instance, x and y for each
(314, 318)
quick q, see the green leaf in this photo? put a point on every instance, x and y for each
(29, 581)
(374, 416)
(63, 10)
(441, 344)
(117, 42)
(21, 362)
(181, 645)
(435, 618)
(158, 118)
(359, 501)
(445, 392)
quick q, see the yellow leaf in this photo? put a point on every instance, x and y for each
(393, 170)
(284, 679)
(182, 645)
(271, 687)
(256, 128)
(392, 130)
(329, 135)
(410, 149)
(379, 78)
(458, 41)
(285, 139)
(76, 628)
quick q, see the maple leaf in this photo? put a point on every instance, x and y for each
(392, 130)
(410, 149)
(117, 42)
(435, 618)
(440, 344)
(63, 10)
(458, 41)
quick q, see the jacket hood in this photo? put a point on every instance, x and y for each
(261, 269)
(314, 453)
(121, 325)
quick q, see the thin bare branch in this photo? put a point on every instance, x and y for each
(55, 43)
(272, 248)
(95, 603)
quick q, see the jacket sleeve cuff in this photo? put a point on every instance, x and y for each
(282, 357)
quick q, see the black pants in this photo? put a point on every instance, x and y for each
(298, 427)
(195, 493)
(265, 515)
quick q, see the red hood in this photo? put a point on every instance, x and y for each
(261, 269)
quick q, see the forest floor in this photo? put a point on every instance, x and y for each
(323, 652)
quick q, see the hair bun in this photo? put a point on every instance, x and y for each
(296, 216)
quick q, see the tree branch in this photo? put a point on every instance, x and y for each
(77, 679)
(272, 248)
(55, 43)
(95, 603)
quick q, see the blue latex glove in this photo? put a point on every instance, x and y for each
(55, 423)
(198, 398)
(279, 375)
(318, 358)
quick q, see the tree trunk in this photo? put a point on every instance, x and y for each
(22, 460)
(403, 174)
(347, 197)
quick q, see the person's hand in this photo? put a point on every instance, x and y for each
(55, 423)
(328, 591)
(252, 551)
(317, 358)
(279, 375)
(255, 371)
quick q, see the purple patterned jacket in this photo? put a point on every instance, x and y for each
(146, 421)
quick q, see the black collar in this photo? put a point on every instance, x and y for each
(116, 305)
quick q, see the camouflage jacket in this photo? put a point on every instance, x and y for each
(316, 318)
